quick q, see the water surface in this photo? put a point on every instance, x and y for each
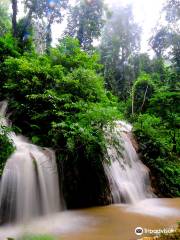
(114, 222)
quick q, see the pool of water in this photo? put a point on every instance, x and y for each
(114, 222)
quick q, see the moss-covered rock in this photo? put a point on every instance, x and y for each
(6, 149)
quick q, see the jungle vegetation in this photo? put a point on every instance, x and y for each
(62, 97)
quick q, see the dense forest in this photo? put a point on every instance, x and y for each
(63, 97)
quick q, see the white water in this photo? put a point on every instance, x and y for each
(115, 222)
(29, 185)
(128, 177)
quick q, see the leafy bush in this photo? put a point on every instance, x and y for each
(156, 149)
(157, 127)
(7, 48)
(69, 54)
(165, 105)
(6, 148)
(152, 127)
(60, 101)
(5, 22)
(142, 91)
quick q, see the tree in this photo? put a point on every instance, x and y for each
(4, 19)
(164, 104)
(14, 17)
(165, 42)
(24, 36)
(51, 11)
(120, 42)
(142, 91)
(161, 41)
(63, 93)
(85, 22)
(7, 49)
(141, 63)
(172, 9)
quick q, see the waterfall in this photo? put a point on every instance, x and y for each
(128, 176)
(29, 184)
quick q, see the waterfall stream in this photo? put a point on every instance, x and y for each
(128, 176)
(29, 184)
(29, 188)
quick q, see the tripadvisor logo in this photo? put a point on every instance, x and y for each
(138, 231)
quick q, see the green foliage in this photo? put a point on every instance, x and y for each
(7, 48)
(142, 63)
(165, 41)
(6, 148)
(69, 54)
(152, 127)
(119, 44)
(157, 127)
(142, 91)
(4, 19)
(85, 22)
(37, 237)
(38, 9)
(59, 101)
(163, 164)
(161, 41)
(24, 35)
(46, 12)
(159, 144)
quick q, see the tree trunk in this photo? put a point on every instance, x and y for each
(48, 38)
(14, 18)
(144, 99)
(132, 102)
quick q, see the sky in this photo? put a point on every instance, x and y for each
(146, 14)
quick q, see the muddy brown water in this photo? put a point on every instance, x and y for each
(114, 222)
(118, 222)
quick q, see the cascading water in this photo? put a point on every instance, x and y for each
(128, 177)
(29, 184)
(29, 187)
